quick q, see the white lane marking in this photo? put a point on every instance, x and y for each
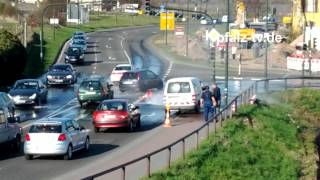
(124, 50)
(168, 71)
(108, 47)
(95, 58)
(65, 110)
(95, 67)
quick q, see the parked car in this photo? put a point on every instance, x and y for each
(94, 90)
(118, 71)
(183, 93)
(78, 37)
(80, 43)
(61, 74)
(116, 113)
(140, 81)
(10, 131)
(29, 92)
(56, 136)
(74, 55)
(80, 33)
(6, 101)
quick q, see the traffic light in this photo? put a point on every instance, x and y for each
(147, 7)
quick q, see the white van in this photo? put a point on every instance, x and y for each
(183, 93)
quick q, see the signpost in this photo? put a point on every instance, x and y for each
(167, 21)
(54, 22)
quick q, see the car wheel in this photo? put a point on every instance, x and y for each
(87, 144)
(28, 156)
(96, 129)
(68, 154)
(38, 102)
(197, 108)
(130, 127)
(138, 123)
(16, 144)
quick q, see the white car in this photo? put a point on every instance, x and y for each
(183, 93)
(55, 136)
(118, 71)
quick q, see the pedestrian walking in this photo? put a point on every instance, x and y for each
(207, 102)
(234, 51)
(217, 96)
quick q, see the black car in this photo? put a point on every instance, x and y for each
(74, 55)
(140, 81)
(61, 74)
(28, 92)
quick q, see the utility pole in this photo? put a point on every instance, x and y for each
(227, 55)
(187, 33)
(266, 43)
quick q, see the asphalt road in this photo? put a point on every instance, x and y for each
(105, 50)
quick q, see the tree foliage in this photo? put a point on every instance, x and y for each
(13, 58)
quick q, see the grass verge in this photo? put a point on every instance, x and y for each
(52, 45)
(262, 141)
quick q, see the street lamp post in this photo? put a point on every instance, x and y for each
(226, 80)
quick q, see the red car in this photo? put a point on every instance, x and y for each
(116, 113)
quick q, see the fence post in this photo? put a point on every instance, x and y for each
(169, 159)
(215, 124)
(256, 87)
(285, 83)
(124, 173)
(208, 130)
(197, 136)
(183, 148)
(149, 166)
(220, 119)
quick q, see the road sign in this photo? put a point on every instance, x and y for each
(179, 31)
(54, 21)
(167, 21)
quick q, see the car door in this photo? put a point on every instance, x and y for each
(81, 136)
(72, 133)
(153, 79)
(3, 127)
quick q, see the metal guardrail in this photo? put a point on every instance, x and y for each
(148, 161)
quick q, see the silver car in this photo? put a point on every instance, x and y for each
(55, 136)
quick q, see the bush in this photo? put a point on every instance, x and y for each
(13, 58)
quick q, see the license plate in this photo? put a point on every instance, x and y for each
(58, 80)
(109, 116)
(21, 101)
(91, 92)
(127, 82)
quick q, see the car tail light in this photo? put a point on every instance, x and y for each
(62, 137)
(27, 137)
(193, 98)
(94, 115)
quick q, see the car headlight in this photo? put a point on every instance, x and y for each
(33, 96)
(81, 57)
(49, 77)
(67, 57)
(69, 77)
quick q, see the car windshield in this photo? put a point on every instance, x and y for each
(80, 42)
(129, 76)
(90, 85)
(45, 128)
(179, 87)
(60, 68)
(113, 106)
(26, 85)
(73, 51)
(78, 37)
(123, 68)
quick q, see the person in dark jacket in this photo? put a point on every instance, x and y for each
(216, 94)
(207, 102)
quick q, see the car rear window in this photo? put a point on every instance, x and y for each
(90, 85)
(46, 128)
(113, 106)
(123, 68)
(130, 76)
(179, 87)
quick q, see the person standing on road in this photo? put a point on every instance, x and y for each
(217, 95)
(234, 51)
(207, 102)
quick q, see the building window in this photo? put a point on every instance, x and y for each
(311, 5)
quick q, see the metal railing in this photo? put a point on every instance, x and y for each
(144, 166)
